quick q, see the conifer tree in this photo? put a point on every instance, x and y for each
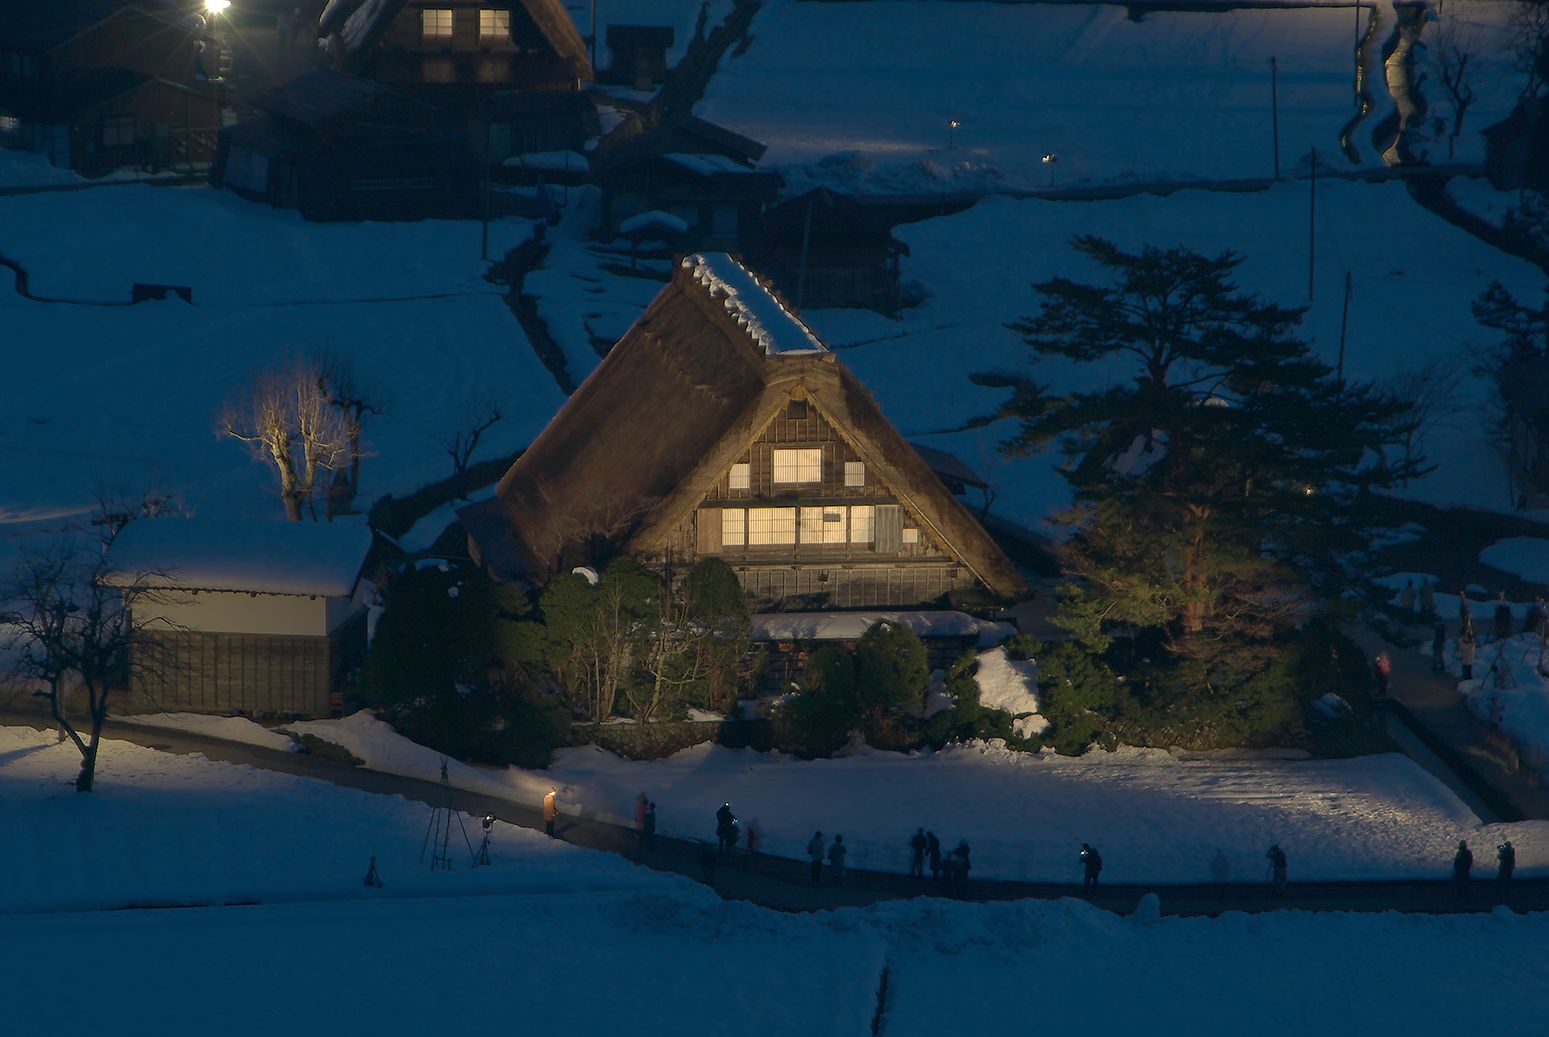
(1220, 475)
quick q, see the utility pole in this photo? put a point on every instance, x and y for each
(1274, 110)
(1312, 222)
(1344, 322)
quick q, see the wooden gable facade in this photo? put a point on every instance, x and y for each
(720, 425)
(459, 48)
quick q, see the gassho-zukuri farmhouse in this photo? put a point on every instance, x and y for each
(721, 425)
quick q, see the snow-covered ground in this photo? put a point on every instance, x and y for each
(109, 396)
(552, 938)
(1158, 817)
(864, 95)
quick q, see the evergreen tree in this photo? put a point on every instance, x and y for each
(1220, 480)
(891, 669)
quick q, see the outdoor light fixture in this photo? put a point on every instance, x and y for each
(1050, 159)
(216, 6)
(489, 820)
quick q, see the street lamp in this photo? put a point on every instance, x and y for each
(952, 125)
(216, 6)
(1049, 159)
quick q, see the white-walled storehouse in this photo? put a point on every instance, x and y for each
(259, 618)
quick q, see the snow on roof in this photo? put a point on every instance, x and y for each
(771, 325)
(706, 165)
(654, 218)
(321, 558)
(849, 626)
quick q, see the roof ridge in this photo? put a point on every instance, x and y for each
(762, 314)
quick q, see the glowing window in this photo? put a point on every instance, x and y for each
(733, 527)
(742, 477)
(823, 525)
(436, 23)
(494, 25)
(911, 535)
(854, 473)
(801, 465)
(771, 526)
(863, 524)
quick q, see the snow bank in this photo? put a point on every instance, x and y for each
(1157, 817)
(228, 729)
(1011, 685)
(1527, 557)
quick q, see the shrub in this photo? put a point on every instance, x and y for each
(891, 669)
(818, 721)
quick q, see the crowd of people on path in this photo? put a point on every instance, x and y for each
(951, 870)
(1470, 640)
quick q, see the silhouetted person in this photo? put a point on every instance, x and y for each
(550, 811)
(1428, 597)
(725, 828)
(836, 854)
(1091, 867)
(960, 868)
(1439, 648)
(1462, 866)
(1503, 621)
(1468, 647)
(1382, 672)
(815, 854)
(933, 851)
(648, 828)
(917, 848)
(1505, 865)
(1277, 868)
(1406, 597)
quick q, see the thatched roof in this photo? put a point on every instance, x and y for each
(675, 403)
(355, 30)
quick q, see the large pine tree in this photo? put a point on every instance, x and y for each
(1219, 477)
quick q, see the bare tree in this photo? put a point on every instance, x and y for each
(289, 423)
(72, 627)
(1530, 45)
(1453, 50)
(669, 659)
(466, 440)
(348, 393)
(1432, 389)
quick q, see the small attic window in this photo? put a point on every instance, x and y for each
(741, 477)
(796, 410)
(854, 473)
(911, 535)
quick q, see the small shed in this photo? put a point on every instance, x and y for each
(256, 618)
(639, 54)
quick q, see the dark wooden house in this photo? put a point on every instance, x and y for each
(1517, 148)
(637, 54)
(456, 52)
(720, 425)
(336, 147)
(699, 172)
(98, 84)
(826, 249)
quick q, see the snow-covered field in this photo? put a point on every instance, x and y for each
(552, 938)
(126, 397)
(1158, 817)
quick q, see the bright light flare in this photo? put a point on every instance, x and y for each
(216, 6)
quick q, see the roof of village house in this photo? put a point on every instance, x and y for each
(628, 459)
(630, 144)
(357, 26)
(311, 558)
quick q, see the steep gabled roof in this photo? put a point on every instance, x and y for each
(714, 358)
(356, 27)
